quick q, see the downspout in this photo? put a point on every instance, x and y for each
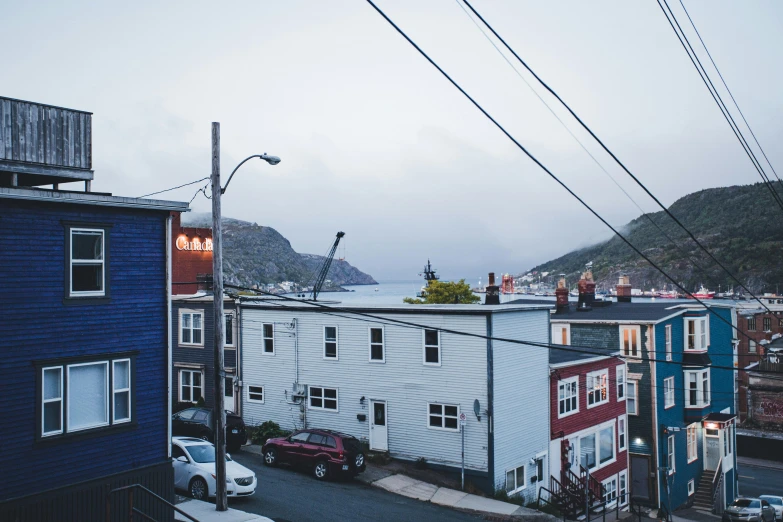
(490, 406)
(653, 388)
(169, 367)
(303, 404)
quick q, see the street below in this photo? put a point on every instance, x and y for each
(755, 481)
(287, 494)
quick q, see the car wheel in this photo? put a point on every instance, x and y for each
(198, 489)
(359, 461)
(270, 457)
(321, 470)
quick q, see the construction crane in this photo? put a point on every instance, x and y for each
(321, 277)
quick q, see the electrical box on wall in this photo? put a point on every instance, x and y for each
(361, 417)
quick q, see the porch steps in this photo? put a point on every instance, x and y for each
(702, 499)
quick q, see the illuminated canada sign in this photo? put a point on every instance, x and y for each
(194, 245)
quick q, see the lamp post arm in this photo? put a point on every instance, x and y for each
(223, 190)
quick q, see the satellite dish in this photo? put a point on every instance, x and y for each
(477, 409)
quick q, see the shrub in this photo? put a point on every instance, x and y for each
(265, 431)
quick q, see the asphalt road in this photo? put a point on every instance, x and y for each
(754, 481)
(285, 494)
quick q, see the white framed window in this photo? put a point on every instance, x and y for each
(752, 347)
(691, 434)
(121, 391)
(443, 416)
(668, 392)
(87, 274)
(323, 398)
(697, 333)
(621, 421)
(697, 388)
(631, 340)
(431, 353)
(752, 324)
(610, 490)
(587, 452)
(515, 480)
(191, 327)
(668, 336)
(330, 342)
(597, 388)
(622, 494)
(767, 324)
(691, 487)
(52, 399)
(606, 445)
(255, 394)
(620, 373)
(631, 401)
(670, 462)
(191, 385)
(561, 333)
(228, 325)
(85, 395)
(377, 345)
(268, 338)
(568, 396)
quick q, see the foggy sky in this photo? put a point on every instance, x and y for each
(375, 142)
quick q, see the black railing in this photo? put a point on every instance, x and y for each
(133, 510)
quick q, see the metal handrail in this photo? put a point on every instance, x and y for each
(132, 510)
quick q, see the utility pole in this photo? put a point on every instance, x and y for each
(218, 412)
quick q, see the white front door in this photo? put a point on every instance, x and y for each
(379, 434)
(712, 449)
(228, 399)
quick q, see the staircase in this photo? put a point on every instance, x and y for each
(702, 499)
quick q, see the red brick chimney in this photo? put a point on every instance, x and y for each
(624, 290)
(492, 296)
(561, 295)
(586, 292)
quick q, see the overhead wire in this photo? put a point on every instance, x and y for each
(613, 156)
(173, 188)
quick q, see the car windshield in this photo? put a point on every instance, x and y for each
(204, 453)
(773, 500)
(746, 502)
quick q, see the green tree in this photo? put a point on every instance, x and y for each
(439, 292)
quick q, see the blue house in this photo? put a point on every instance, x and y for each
(85, 359)
(680, 386)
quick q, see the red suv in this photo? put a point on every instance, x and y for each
(327, 453)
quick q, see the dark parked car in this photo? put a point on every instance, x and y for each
(326, 453)
(749, 510)
(197, 422)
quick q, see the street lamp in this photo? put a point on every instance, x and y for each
(218, 412)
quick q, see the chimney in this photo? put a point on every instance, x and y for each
(492, 296)
(624, 290)
(586, 292)
(561, 296)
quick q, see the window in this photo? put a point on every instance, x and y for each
(696, 333)
(377, 350)
(587, 451)
(631, 407)
(697, 393)
(432, 347)
(670, 455)
(85, 395)
(255, 394)
(725, 443)
(561, 334)
(268, 334)
(191, 387)
(691, 487)
(623, 493)
(515, 480)
(228, 324)
(767, 322)
(87, 274)
(610, 490)
(752, 324)
(692, 444)
(631, 338)
(606, 446)
(301, 437)
(668, 392)
(668, 335)
(330, 342)
(621, 433)
(191, 327)
(323, 398)
(568, 396)
(751, 346)
(621, 383)
(597, 388)
(443, 416)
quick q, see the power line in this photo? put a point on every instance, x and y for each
(615, 158)
(716, 96)
(173, 188)
(549, 172)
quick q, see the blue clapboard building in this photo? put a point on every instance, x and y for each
(85, 352)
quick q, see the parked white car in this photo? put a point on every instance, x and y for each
(777, 504)
(194, 470)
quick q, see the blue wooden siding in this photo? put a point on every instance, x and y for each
(37, 325)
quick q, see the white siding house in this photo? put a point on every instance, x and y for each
(400, 387)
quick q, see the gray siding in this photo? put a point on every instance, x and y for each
(521, 395)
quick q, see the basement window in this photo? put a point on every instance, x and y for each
(515, 480)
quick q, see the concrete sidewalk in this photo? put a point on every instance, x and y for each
(205, 512)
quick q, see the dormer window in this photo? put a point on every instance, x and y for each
(697, 333)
